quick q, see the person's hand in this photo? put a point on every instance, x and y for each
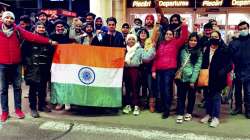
(157, 3)
(158, 18)
(53, 43)
(98, 31)
(83, 35)
(154, 75)
(184, 21)
(191, 85)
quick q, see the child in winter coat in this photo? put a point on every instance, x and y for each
(37, 62)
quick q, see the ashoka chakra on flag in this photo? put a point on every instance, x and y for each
(87, 75)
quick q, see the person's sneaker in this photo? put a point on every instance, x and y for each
(215, 122)
(19, 114)
(59, 107)
(165, 115)
(179, 119)
(187, 117)
(127, 109)
(205, 119)
(136, 110)
(34, 114)
(247, 115)
(44, 109)
(4, 116)
(236, 111)
(67, 107)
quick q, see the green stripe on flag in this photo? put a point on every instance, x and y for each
(86, 95)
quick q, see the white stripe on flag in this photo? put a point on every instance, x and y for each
(69, 74)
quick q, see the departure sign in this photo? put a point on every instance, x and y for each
(173, 3)
(240, 2)
(212, 3)
(162, 3)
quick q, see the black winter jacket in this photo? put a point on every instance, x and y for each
(219, 67)
(109, 40)
(240, 52)
(37, 61)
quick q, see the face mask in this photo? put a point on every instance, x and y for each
(214, 41)
(244, 33)
(98, 27)
(137, 26)
(174, 26)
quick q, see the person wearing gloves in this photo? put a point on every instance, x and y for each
(135, 55)
(10, 61)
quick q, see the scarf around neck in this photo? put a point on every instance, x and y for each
(7, 31)
(130, 53)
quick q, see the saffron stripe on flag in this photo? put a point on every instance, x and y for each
(87, 55)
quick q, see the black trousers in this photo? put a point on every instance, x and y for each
(246, 87)
(37, 93)
(238, 93)
(185, 91)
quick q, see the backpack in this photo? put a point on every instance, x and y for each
(19, 37)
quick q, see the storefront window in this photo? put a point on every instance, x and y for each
(202, 19)
(188, 18)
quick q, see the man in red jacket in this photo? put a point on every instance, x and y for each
(10, 61)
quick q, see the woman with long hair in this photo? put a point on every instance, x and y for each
(216, 58)
(190, 63)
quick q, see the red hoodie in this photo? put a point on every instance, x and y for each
(10, 51)
(166, 55)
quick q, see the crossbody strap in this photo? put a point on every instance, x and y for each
(186, 61)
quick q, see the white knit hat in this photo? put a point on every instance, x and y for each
(8, 13)
(131, 35)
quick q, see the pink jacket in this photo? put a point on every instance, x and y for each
(166, 55)
(10, 51)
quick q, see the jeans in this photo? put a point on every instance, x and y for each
(10, 73)
(246, 87)
(212, 102)
(185, 91)
(165, 80)
(238, 93)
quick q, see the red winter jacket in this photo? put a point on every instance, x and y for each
(10, 51)
(166, 55)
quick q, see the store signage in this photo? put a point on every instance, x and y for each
(162, 3)
(68, 13)
(174, 3)
(58, 12)
(50, 12)
(240, 2)
(212, 3)
(138, 3)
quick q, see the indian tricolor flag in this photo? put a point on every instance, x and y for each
(87, 75)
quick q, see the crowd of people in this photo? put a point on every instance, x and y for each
(159, 54)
